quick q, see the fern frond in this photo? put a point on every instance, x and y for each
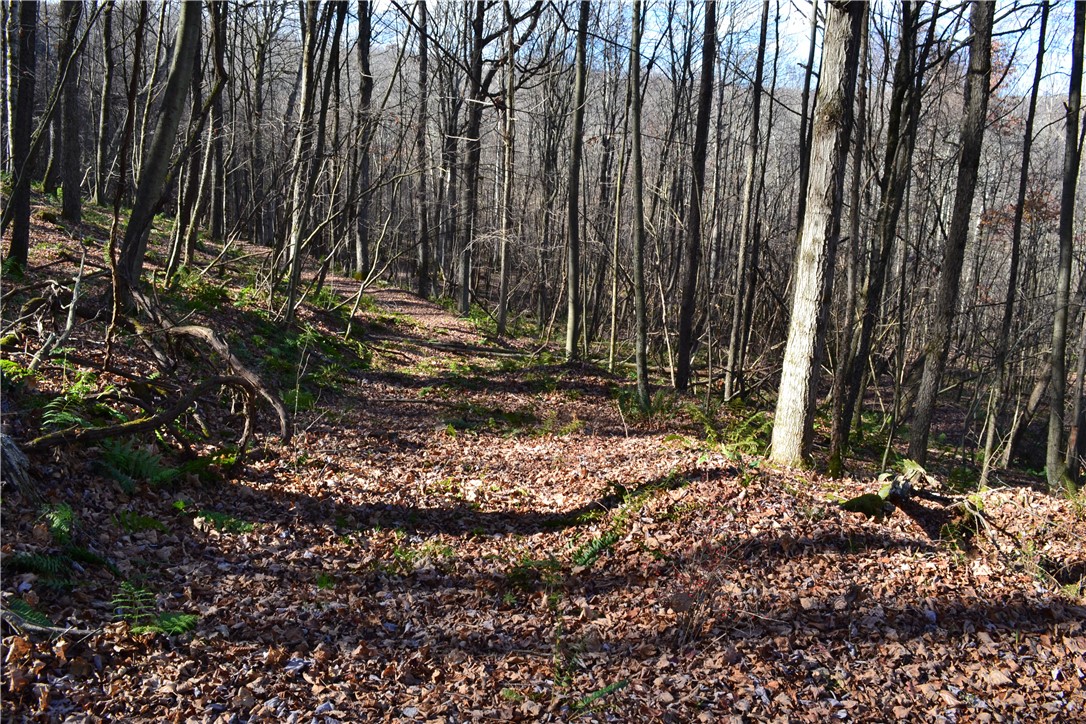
(29, 614)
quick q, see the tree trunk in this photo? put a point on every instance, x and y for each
(71, 172)
(1055, 465)
(362, 239)
(693, 211)
(794, 419)
(509, 159)
(977, 88)
(423, 276)
(573, 248)
(23, 116)
(905, 100)
(1002, 342)
(732, 373)
(474, 149)
(637, 190)
(303, 141)
(101, 154)
(152, 174)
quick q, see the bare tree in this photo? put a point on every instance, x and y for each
(694, 208)
(793, 422)
(23, 118)
(573, 220)
(1055, 464)
(977, 89)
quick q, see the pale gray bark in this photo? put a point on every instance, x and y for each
(793, 421)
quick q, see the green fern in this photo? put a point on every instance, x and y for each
(60, 518)
(43, 565)
(171, 623)
(135, 604)
(590, 701)
(29, 614)
(130, 465)
(86, 555)
(589, 552)
(58, 415)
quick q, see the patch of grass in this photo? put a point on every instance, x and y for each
(528, 573)
(473, 417)
(299, 400)
(408, 558)
(198, 293)
(131, 522)
(325, 581)
(226, 523)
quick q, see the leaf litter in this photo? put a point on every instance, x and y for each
(466, 532)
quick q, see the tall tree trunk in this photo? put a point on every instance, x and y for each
(573, 248)
(1055, 465)
(423, 276)
(218, 127)
(794, 420)
(509, 160)
(805, 120)
(300, 164)
(474, 149)
(1002, 342)
(71, 172)
(637, 182)
(905, 99)
(977, 88)
(101, 154)
(23, 117)
(362, 238)
(732, 373)
(152, 174)
(693, 211)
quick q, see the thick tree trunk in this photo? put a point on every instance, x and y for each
(573, 236)
(905, 99)
(152, 175)
(19, 244)
(793, 422)
(693, 211)
(977, 88)
(1055, 465)
(362, 238)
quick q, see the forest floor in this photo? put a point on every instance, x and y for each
(466, 529)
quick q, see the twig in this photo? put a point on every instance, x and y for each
(55, 341)
(17, 621)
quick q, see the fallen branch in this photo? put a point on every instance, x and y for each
(251, 379)
(16, 621)
(143, 424)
